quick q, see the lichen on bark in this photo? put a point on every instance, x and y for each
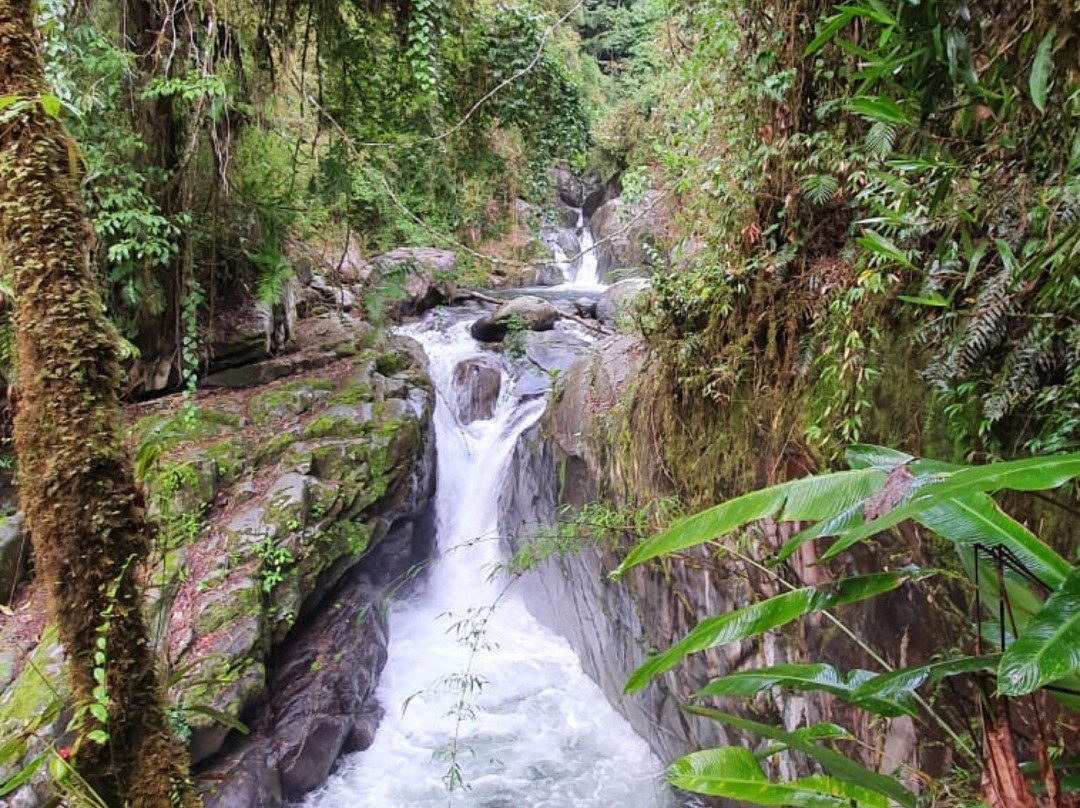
(82, 506)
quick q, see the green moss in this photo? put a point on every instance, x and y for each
(392, 362)
(288, 399)
(197, 423)
(272, 450)
(354, 392)
(229, 456)
(234, 604)
(348, 537)
(335, 426)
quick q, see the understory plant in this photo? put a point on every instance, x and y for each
(1027, 640)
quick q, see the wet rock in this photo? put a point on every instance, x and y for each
(617, 299)
(421, 277)
(548, 275)
(476, 390)
(535, 314)
(599, 195)
(585, 307)
(14, 554)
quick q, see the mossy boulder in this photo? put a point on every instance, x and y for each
(264, 502)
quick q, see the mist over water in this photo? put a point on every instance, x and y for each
(474, 684)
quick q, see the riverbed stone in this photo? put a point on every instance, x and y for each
(476, 390)
(420, 277)
(267, 500)
(534, 313)
(617, 300)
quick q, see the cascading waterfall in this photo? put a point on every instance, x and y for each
(580, 271)
(587, 276)
(476, 690)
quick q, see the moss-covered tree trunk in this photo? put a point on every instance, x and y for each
(82, 507)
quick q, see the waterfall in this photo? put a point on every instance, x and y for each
(475, 688)
(579, 267)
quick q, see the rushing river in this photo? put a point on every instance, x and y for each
(478, 694)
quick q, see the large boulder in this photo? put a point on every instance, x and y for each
(530, 312)
(598, 195)
(622, 231)
(549, 274)
(415, 279)
(617, 299)
(476, 390)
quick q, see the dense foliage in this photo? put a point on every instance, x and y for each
(207, 145)
(863, 186)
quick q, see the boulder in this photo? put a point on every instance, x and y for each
(415, 278)
(476, 390)
(622, 230)
(549, 274)
(548, 355)
(14, 554)
(535, 313)
(618, 298)
(600, 194)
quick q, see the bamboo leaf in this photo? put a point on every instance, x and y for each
(731, 627)
(220, 717)
(880, 108)
(835, 763)
(883, 246)
(977, 519)
(23, 775)
(1041, 68)
(833, 25)
(809, 498)
(933, 300)
(1049, 647)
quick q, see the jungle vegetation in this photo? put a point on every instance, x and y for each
(868, 231)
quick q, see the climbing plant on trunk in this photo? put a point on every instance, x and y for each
(82, 506)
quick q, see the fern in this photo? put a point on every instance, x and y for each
(818, 189)
(880, 139)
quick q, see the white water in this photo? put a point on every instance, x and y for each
(586, 275)
(534, 731)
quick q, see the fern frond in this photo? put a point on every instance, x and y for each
(818, 189)
(880, 139)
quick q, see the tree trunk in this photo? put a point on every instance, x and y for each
(83, 510)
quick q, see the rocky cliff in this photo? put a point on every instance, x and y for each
(288, 512)
(583, 451)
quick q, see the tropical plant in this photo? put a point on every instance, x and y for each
(1033, 630)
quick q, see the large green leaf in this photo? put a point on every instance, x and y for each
(1048, 648)
(1041, 68)
(756, 618)
(835, 763)
(899, 685)
(802, 677)
(884, 109)
(1029, 474)
(977, 519)
(734, 773)
(731, 627)
(809, 498)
